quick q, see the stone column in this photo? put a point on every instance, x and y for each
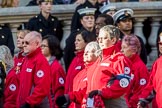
(152, 40)
(65, 34)
(138, 28)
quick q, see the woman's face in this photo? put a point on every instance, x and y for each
(89, 55)
(104, 40)
(130, 46)
(20, 39)
(46, 7)
(45, 48)
(79, 43)
(88, 22)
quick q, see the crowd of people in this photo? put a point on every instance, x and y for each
(105, 62)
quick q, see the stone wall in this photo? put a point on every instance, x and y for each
(16, 16)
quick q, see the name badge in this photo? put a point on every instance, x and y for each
(105, 64)
(28, 70)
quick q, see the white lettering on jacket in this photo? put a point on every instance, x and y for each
(28, 70)
(105, 64)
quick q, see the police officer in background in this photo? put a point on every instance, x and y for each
(6, 37)
(45, 23)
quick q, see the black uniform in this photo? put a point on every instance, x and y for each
(75, 24)
(51, 26)
(143, 54)
(6, 38)
(69, 50)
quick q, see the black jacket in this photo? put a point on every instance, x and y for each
(6, 38)
(51, 26)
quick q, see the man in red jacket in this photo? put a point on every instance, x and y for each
(34, 74)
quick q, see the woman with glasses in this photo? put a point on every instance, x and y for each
(109, 76)
(12, 79)
(51, 50)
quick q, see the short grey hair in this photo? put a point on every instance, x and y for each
(95, 46)
(36, 35)
(6, 57)
(112, 30)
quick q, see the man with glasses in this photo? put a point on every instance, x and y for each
(45, 23)
(34, 74)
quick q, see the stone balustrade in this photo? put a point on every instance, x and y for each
(16, 16)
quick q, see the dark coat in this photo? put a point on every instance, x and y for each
(51, 26)
(75, 23)
(6, 38)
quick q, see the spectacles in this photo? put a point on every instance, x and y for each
(160, 43)
(42, 46)
(26, 42)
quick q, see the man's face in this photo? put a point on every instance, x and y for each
(46, 7)
(125, 25)
(30, 44)
(100, 22)
(88, 21)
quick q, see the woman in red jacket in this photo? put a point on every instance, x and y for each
(131, 48)
(52, 51)
(91, 54)
(108, 78)
(154, 85)
(12, 79)
(77, 64)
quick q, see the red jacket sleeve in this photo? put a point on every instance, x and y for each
(121, 66)
(11, 90)
(77, 96)
(58, 79)
(139, 82)
(41, 83)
